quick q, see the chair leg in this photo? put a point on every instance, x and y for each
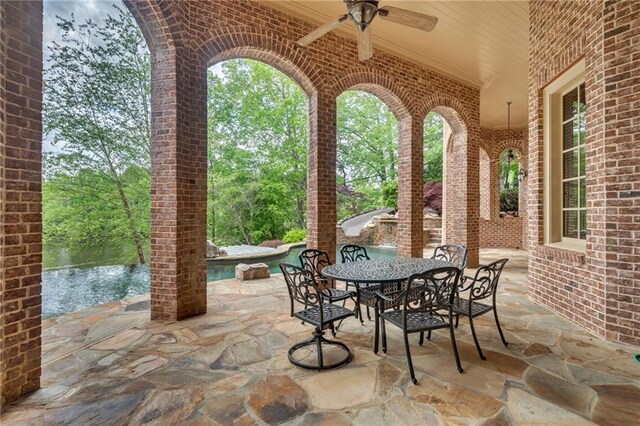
(408, 352)
(457, 320)
(475, 339)
(421, 341)
(453, 343)
(368, 313)
(384, 334)
(320, 357)
(358, 309)
(377, 330)
(429, 335)
(495, 314)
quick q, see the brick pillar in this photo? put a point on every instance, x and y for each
(321, 173)
(20, 192)
(462, 188)
(494, 177)
(410, 202)
(178, 185)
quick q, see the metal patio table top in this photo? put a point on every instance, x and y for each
(381, 270)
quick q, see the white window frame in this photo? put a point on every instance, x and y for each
(553, 179)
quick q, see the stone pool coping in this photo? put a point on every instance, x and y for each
(277, 252)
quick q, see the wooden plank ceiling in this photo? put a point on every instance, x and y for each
(483, 43)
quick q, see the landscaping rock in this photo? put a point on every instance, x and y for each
(254, 271)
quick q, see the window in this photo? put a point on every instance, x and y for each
(574, 213)
(565, 218)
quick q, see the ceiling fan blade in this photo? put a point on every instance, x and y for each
(320, 31)
(408, 17)
(365, 44)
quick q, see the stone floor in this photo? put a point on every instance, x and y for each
(110, 365)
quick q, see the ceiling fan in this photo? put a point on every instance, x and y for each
(362, 13)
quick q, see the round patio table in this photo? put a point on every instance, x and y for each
(383, 275)
(374, 271)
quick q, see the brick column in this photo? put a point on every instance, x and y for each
(20, 192)
(178, 185)
(462, 188)
(410, 201)
(321, 173)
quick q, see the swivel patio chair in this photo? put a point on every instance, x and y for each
(415, 309)
(482, 286)
(452, 253)
(355, 253)
(304, 290)
(314, 260)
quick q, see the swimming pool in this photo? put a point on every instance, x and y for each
(70, 289)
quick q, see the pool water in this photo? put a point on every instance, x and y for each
(70, 289)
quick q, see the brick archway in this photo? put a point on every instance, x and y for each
(409, 237)
(234, 43)
(461, 191)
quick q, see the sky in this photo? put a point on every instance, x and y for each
(82, 10)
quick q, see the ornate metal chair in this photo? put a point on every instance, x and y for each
(314, 260)
(481, 287)
(355, 253)
(452, 253)
(415, 308)
(305, 290)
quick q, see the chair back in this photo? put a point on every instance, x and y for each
(313, 260)
(485, 282)
(301, 285)
(353, 253)
(431, 291)
(452, 253)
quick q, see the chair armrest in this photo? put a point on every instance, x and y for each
(466, 282)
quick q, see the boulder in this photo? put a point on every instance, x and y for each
(214, 251)
(254, 271)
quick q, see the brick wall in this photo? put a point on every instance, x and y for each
(599, 289)
(20, 186)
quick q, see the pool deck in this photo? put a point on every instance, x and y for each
(110, 365)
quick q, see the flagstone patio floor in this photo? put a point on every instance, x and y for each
(110, 365)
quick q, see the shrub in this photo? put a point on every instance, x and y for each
(390, 194)
(432, 196)
(509, 200)
(294, 235)
(271, 243)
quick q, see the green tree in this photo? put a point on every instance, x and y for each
(96, 111)
(257, 153)
(433, 135)
(367, 151)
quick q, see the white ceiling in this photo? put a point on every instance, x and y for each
(483, 43)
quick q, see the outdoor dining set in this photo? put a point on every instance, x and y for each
(416, 295)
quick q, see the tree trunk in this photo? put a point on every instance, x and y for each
(213, 212)
(132, 225)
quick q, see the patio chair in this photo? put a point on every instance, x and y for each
(314, 260)
(452, 253)
(415, 309)
(356, 253)
(305, 290)
(482, 286)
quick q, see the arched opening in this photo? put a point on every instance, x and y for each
(257, 161)
(435, 130)
(509, 182)
(96, 157)
(455, 172)
(366, 170)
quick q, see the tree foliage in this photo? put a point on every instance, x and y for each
(432, 196)
(257, 153)
(96, 112)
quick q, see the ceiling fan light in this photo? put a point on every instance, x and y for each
(362, 12)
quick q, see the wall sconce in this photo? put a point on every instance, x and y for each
(522, 175)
